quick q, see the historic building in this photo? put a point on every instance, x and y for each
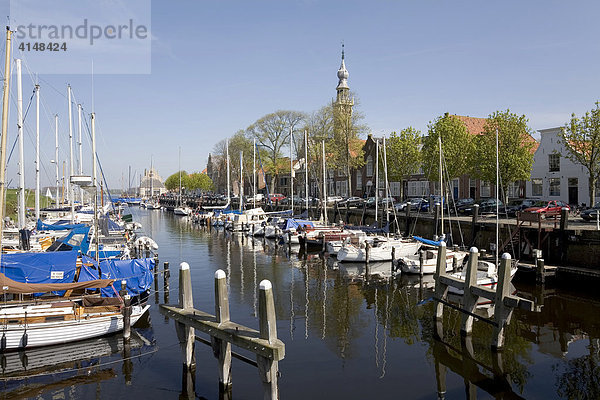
(556, 177)
(151, 184)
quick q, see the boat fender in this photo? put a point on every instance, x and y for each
(24, 340)
(3, 343)
(24, 360)
(3, 362)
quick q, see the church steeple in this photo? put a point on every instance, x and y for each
(342, 74)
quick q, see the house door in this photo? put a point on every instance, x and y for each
(573, 191)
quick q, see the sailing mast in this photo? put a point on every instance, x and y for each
(94, 177)
(21, 219)
(37, 152)
(254, 173)
(376, 179)
(56, 156)
(5, 99)
(151, 176)
(228, 177)
(497, 192)
(441, 190)
(71, 170)
(291, 170)
(79, 143)
(387, 189)
(324, 187)
(306, 168)
(241, 180)
(179, 176)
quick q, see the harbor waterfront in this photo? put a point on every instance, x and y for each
(345, 337)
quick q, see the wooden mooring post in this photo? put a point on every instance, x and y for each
(224, 333)
(504, 302)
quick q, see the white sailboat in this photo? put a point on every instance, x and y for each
(181, 209)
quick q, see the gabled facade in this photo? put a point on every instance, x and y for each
(556, 177)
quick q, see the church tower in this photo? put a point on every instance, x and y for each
(342, 124)
(343, 103)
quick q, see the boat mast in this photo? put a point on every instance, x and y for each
(324, 186)
(71, 170)
(291, 169)
(441, 188)
(5, 99)
(227, 162)
(37, 152)
(56, 156)
(254, 173)
(151, 176)
(179, 176)
(94, 177)
(79, 143)
(376, 179)
(306, 168)
(21, 217)
(241, 180)
(497, 193)
(387, 189)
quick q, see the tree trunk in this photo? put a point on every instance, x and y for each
(593, 180)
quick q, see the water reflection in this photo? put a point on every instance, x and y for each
(365, 326)
(56, 370)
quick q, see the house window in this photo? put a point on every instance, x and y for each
(536, 187)
(513, 190)
(359, 180)
(395, 188)
(369, 166)
(554, 162)
(554, 186)
(412, 188)
(485, 189)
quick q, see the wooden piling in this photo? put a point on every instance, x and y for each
(126, 310)
(474, 226)
(185, 333)
(221, 348)
(267, 368)
(502, 312)
(469, 299)
(441, 290)
(166, 276)
(421, 261)
(540, 275)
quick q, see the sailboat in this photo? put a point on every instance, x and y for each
(181, 209)
(40, 321)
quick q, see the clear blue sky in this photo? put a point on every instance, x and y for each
(217, 66)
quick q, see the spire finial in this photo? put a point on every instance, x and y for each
(342, 49)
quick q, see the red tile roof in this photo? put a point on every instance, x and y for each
(474, 125)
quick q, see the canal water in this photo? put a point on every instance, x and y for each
(345, 337)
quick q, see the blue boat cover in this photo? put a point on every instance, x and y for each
(137, 273)
(295, 223)
(77, 239)
(427, 241)
(59, 226)
(52, 267)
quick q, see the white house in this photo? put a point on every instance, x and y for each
(554, 176)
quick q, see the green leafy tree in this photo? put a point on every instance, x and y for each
(172, 182)
(272, 133)
(198, 180)
(403, 154)
(581, 138)
(457, 146)
(516, 147)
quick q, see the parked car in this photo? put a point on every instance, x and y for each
(415, 204)
(548, 208)
(487, 206)
(381, 200)
(288, 200)
(517, 205)
(259, 197)
(460, 203)
(352, 202)
(334, 199)
(276, 197)
(591, 213)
